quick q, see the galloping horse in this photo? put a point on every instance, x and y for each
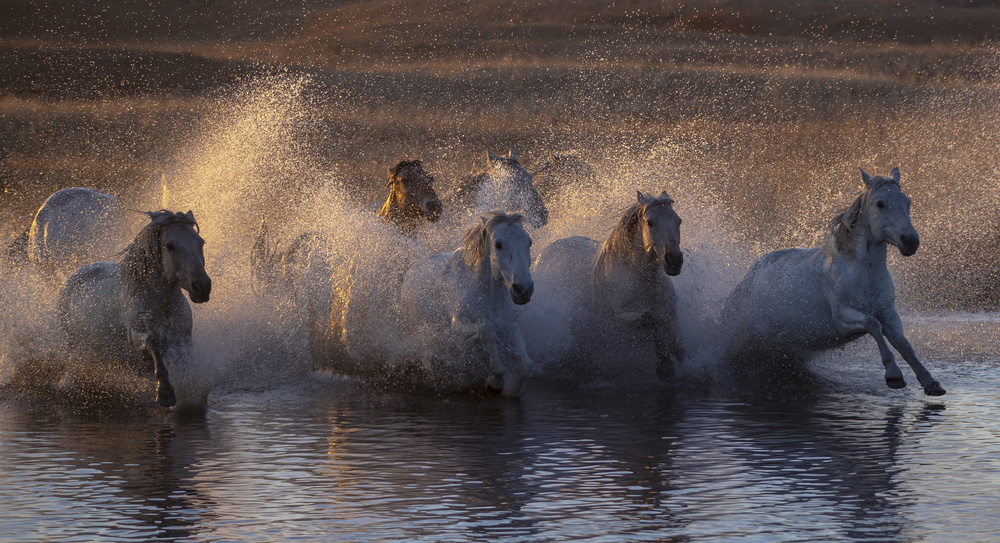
(801, 301)
(504, 184)
(132, 312)
(622, 288)
(460, 306)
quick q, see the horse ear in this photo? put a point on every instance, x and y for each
(491, 157)
(640, 197)
(866, 178)
(895, 175)
(512, 154)
(390, 171)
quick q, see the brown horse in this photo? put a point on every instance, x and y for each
(411, 197)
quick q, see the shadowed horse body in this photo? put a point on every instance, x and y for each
(504, 184)
(796, 302)
(617, 294)
(133, 312)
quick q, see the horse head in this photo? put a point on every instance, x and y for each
(411, 191)
(508, 246)
(515, 189)
(661, 231)
(888, 212)
(182, 256)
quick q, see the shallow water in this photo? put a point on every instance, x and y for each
(316, 457)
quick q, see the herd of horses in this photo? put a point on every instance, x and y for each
(456, 316)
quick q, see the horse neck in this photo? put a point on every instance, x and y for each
(392, 212)
(150, 283)
(862, 248)
(486, 283)
(634, 262)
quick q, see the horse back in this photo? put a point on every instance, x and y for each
(784, 302)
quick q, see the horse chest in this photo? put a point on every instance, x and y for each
(865, 286)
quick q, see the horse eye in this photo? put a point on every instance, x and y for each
(498, 245)
(170, 247)
(650, 223)
(879, 204)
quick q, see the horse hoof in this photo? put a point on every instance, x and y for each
(895, 382)
(934, 389)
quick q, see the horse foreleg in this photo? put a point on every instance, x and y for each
(892, 328)
(519, 368)
(853, 319)
(164, 390)
(165, 396)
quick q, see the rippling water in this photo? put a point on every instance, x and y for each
(319, 458)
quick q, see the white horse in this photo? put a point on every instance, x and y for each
(504, 184)
(801, 301)
(461, 306)
(621, 290)
(132, 312)
(76, 226)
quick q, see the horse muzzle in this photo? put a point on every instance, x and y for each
(201, 290)
(672, 263)
(908, 244)
(432, 209)
(521, 293)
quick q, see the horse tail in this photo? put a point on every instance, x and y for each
(262, 259)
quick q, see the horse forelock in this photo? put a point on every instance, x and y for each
(475, 242)
(842, 225)
(402, 165)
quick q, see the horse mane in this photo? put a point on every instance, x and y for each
(618, 247)
(842, 225)
(474, 242)
(140, 260)
(403, 164)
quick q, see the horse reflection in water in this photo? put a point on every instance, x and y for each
(73, 227)
(133, 312)
(616, 295)
(504, 184)
(796, 302)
